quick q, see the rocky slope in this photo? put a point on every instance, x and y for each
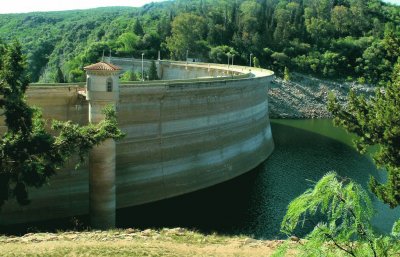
(306, 97)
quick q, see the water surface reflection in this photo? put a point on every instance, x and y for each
(255, 203)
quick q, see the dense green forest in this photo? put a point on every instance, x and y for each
(346, 39)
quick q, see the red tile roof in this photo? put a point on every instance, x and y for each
(102, 66)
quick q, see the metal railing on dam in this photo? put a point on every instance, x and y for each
(182, 135)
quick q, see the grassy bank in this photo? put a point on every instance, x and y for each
(130, 242)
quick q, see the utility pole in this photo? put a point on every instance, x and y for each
(142, 68)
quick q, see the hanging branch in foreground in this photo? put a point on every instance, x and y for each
(343, 211)
(29, 155)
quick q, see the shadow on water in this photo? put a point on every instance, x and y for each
(255, 203)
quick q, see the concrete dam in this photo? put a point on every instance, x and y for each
(200, 125)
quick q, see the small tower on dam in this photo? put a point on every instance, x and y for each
(102, 89)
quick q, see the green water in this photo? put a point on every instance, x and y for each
(255, 203)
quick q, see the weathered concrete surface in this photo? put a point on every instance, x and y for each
(181, 137)
(102, 89)
(102, 198)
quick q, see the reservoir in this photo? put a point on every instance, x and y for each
(254, 204)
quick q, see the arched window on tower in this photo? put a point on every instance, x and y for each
(109, 85)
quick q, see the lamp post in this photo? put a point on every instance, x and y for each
(142, 68)
(187, 55)
(251, 55)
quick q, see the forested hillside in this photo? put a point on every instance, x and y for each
(346, 39)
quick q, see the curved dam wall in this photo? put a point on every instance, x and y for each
(171, 70)
(181, 136)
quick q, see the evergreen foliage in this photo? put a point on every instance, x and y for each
(340, 211)
(138, 29)
(188, 36)
(286, 74)
(219, 54)
(153, 75)
(128, 42)
(29, 154)
(376, 122)
(129, 76)
(59, 76)
(256, 62)
(346, 38)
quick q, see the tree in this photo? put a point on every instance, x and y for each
(374, 63)
(286, 74)
(340, 212)
(391, 41)
(280, 60)
(128, 42)
(138, 28)
(39, 57)
(129, 75)
(164, 27)
(216, 34)
(250, 23)
(320, 30)
(288, 22)
(246, 25)
(188, 33)
(59, 76)
(150, 44)
(256, 62)
(358, 9)
(341, 19)
(331, 62)
(76, 75)
(376, 122)
(219, 54)
(29, 154)
(153, 75)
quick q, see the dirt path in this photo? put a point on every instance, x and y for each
(166, 242)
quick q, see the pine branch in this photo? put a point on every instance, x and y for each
(337, 244)
(332, 238)
(360, 227)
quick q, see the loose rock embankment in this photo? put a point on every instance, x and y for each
(306, 97)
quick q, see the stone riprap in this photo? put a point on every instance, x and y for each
(306, 97)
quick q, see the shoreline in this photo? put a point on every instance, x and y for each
(306, 97)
